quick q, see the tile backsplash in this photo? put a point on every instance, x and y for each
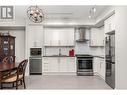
(49, 51)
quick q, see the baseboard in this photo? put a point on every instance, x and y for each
(95, 73)
(59, 73)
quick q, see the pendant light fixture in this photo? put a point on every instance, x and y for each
(35, 14)
(92, 12)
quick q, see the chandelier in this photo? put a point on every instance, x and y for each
(35, 14)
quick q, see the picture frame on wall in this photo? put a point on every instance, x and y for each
(7, 12)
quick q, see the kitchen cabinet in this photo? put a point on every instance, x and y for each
(50, 64)
(35, 35)
(59, 64)
(99, 67)
(62, 64)
(97, 37)
(109, 24)
(71, 66)
(102, 68)
(59, 37)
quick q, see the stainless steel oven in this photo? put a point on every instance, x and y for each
(35, 65)
(35, 51)
(35, 61)
(84, 65)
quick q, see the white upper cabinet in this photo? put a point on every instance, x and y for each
(109, 24)
(35, 36)
(58, 36)
(97, 37)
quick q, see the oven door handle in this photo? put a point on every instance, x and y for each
(35, 58)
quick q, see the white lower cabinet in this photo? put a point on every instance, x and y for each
(50, 64)
(99, 67)
(59, 65)
(102, 66)
(71, 64)
(62, 62)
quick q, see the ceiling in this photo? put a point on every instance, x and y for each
(64, 13)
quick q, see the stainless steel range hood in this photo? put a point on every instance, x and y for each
(82, 35)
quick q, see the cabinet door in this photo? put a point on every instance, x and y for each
(67, 37)
(102, 69)
(71, 65)
(109, 24)
(112, 22)
(45, 64)
(63, 38)
(35, 36)
(99, 67)
(54, 65)
(97, 37)
(51, 37)
(94, 37)
(47, 37)
(39, 36)
(55, 38)
(106, 25)
(31, 36)
(96, 65)
(70, 37)
(59, 36)
(63, 65)
(50, 64)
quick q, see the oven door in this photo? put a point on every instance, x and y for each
(85, 64)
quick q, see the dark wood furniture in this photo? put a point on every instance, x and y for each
(6, 68)
(7, 48)
(5, 60)
(18, 77)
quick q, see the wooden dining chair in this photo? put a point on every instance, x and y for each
(5, 60)
(18, 77)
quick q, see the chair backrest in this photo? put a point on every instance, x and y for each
(21, 68)
(5, 60)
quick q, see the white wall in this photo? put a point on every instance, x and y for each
(19, 43)
(19, 20)
(121, 47)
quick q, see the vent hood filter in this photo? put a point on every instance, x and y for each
(82, 35)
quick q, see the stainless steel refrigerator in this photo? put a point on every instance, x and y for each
(110, 59)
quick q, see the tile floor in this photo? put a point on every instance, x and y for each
(65, 82)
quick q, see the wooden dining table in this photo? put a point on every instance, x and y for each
(7, 67)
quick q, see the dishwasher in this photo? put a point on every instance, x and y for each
(35, 64)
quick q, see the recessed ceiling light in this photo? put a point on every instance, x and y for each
(89, 16)
(94, 9)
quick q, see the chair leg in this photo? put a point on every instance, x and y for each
(24, 83)
(13, 84)
(16, 84)
(1, 86)
(21, 82)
